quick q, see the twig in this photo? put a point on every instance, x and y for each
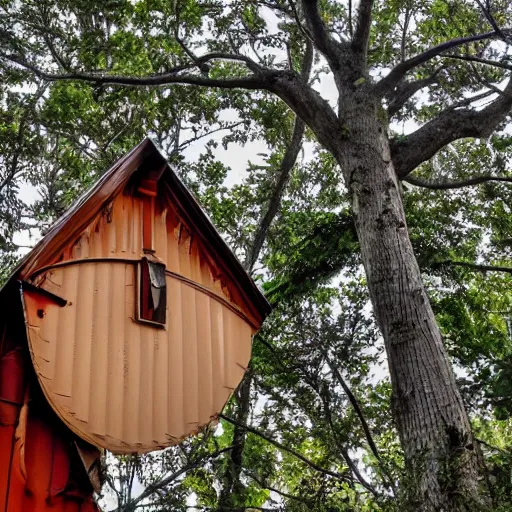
(456, 184)
(277, 444)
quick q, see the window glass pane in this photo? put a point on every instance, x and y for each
(153, 292)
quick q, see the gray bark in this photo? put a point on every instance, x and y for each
(434, 428)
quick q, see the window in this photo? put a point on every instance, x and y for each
(152, 292)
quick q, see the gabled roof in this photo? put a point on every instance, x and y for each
(112, 183)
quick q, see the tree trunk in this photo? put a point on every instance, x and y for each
(441, 457)
(232, 492)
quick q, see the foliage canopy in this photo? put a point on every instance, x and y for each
(311, 427)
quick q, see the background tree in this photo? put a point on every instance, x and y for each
(91, 79)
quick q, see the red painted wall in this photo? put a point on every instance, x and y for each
(40, 469)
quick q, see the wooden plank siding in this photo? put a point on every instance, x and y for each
(118, 383)
(118, 378)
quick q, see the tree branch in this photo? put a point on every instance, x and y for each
(389, 82)
(479, 60)
(173, 76)
(280, 446)
(181, 146)
(263, 485)
(455, 184)
(316, 27)
(406, 90)
(490, 18)
(346, 456)
(362, 32)
(151, 488)
(476, 266)
(353, 401)
(450, 125)
(350, 24)
(287, 164)
(234, 465)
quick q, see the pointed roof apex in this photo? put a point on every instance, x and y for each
(81, 213)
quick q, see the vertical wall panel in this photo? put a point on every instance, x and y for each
(220, 392)
(133, 362)
(190, 362)
(65, 334)
(81, 376)
(99, 349)
(161, 385)
(136, 227)
(175, 362)
(160, 241)
(115, 384)
(173, 256)
(145, 416)
(204, 340)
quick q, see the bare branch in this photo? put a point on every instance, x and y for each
(264, 485)
(490, 18)
(353, 401)
(450, 125)
(476, 266)
(479, 60)
(344, 452)
(286, 167)
(406, 90)
(364, 23)
(389, 82)
(277, 444)
(173, 76)
(160, 484)
(181, 146)
(231, 479)
(404, 32)
(456, 184)
(287, 164)
(467, 101)
(350, 23)
(316, 27)
(295, 15)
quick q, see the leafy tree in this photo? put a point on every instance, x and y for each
(424, 211)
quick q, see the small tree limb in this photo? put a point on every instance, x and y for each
(287, 164)
(316, 27)
(406, 90)
(487, 62)
(455, 184)
(154, 487)
(173, 76)
(362, 32)
(390, 81)
(421, 145)
(476, 266)
(280, 446)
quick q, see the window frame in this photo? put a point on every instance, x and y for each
(139, 290)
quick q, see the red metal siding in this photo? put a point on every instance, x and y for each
(36, 450)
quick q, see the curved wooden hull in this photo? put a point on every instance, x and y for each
(123, 385)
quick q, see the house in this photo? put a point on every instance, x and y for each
(126, 328)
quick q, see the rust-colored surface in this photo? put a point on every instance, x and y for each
(40, 469)
(124, 385)
(142, 162)
(115, 381)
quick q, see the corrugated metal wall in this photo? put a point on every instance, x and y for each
(117, 233)
(125, 383)
(36, 449)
